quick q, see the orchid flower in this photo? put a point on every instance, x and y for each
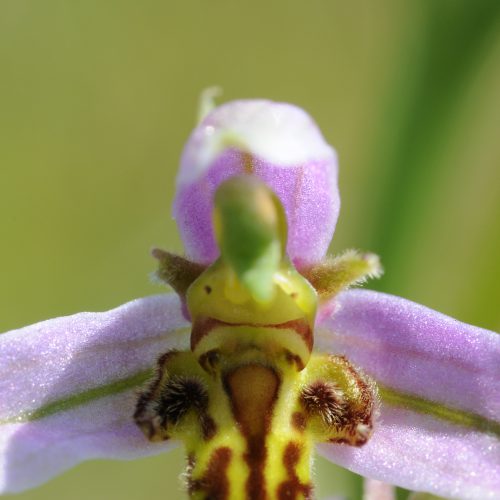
(262, 355)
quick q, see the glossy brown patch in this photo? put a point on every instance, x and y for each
(214, 484)
(253, 390)
(292, 488)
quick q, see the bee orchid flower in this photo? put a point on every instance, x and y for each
(262, 355)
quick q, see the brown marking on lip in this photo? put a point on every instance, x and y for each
(214, 484)
(208, 426)
(301, 326)
(209, 360)
(294, 359)
(292, 488)
(203, 325)
(253, 390)
(299, 421)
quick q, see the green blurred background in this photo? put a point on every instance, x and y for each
(98, 97)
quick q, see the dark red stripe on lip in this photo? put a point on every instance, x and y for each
(214, 484)
(292, 487)
(204, 325)
(253, 391)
